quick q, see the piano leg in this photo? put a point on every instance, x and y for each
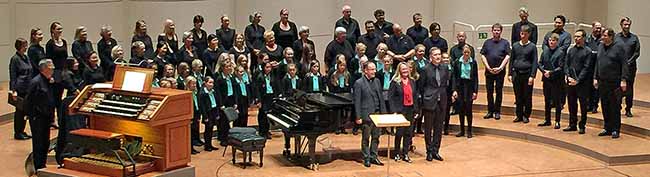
(312, 151)
(287, 144)
(297, 145)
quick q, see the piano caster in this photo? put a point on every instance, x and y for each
(286, 153)
(314, 166)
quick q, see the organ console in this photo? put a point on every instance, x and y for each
(133, 129)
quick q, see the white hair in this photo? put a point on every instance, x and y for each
(303, 29)
(339, 30)
(186, 35)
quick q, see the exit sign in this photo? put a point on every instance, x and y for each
(482, 35)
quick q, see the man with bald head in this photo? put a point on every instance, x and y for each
(457, 50)
(400, 46)
(592, 41)
(516, 28)
(350, 24)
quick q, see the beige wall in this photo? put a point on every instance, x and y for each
(21, 15)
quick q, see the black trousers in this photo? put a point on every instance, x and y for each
(262, 119)
(40, 127)
(19, 116)
(465, 101)
(58, 94)
(580, 92)
(449, 106)
(595, 97)
(223, 126)
(194, 126)
(610, 96)
(369, 140)
(523, 95)
(494, 82)
(433, 125)
(404, 135)
(629, 92)
(242, 121)
(210, 122)
(553, 95)
(418, 122)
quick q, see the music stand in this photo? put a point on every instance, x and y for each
(389, 121)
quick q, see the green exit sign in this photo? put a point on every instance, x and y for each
(482, 35)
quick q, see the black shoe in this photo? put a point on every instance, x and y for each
(628, 114)
(194, 151)
(397, 158)
(355, 131)
(429, 156)
(497, 116)
(594, 111)
(604, 133)
(544, 124)
(518, 119)
(21, 136)
(376, 162)
(445, 132)
(488, 115)
(210, 148)
(581, 131)
(469, 134)
(337, 132)
(525, 120)
(406, 158)
(615, 134)
(460, 134)
(570, 129)
(419, 132)
(437, 157)
(453, 112)
(26, 135)
(197, 143)
(366, 163)
(54, 126)
(557, 125)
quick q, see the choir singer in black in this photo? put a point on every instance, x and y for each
(434, 79)
(576, 68)
(610, 78)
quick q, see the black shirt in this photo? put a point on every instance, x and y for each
(200, 40)
(495, 51)
(631, 44)
(611, 63)
(578, 64)
(93, 76)
(237, 53)
(20, 72)
(516, 29)
(226, 37)
(254, 35)
(435, 42)
(148, 45)
(172, 43)
(36, 53)
(275, 55)
(104, 49)
(285, 38)
(418, 34)
(334, 48)
(58, 54)
(401, 44)
(386, 27)
(371, 40)
(81, 50)
(184, 55)
(352, 28)
(298, 49)
(523, 59)
(210, 58)
(552, 60)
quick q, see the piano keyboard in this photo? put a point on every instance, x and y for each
(120, 105)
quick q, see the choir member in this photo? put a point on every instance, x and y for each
(210, 109)
(314, 82)
(225, 34)
(403, 100)
(104, 47)
(140, 34)
(20, 75)
(465, 88)
(285, 31)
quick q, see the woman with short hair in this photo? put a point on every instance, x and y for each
(20, 74)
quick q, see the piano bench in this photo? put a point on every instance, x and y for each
(247, 143)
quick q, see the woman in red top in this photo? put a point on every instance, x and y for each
(402, 100)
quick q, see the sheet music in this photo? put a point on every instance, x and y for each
(134, 81)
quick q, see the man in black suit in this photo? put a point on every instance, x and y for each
(434, 81)
(610, 78)
(368, 100)
(39, 104)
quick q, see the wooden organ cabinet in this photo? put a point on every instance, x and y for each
(127, 111)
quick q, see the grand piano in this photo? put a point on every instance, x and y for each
(306, 116)
(133, 129)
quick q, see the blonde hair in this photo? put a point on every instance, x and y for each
(360, 46)
(414, 71)
(114, 51)
(397, 76)
(77, 32)
(268, 35)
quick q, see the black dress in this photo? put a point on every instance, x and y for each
(285, 38)
(200, 40)
(81, 51)
(275, 55)
(173, 47)
(58, 54)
